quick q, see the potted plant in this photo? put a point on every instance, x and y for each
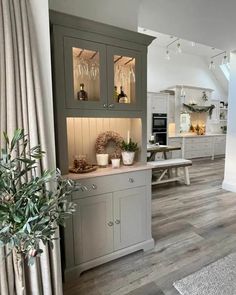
(32, 204)
(128, 151)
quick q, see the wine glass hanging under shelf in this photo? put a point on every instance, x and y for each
(124, 76)
(86, 63)
(124, 69)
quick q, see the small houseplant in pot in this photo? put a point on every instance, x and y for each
(32, 204)
(128, 151)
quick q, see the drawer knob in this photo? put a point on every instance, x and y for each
(105, 105)
(117, 221)
(111, 106)
(131, 180)
(110, 223)
(94, 187)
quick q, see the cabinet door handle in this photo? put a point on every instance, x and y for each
(105, 105)
(131, 180)
(110, 223)
(111, 106)
(117, 221)
(94, 187)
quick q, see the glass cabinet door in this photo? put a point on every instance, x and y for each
(85, 74)
(124, 74)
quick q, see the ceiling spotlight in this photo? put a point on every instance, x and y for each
(211, 65)
(193, 44)
(179, 49)
(167, 54)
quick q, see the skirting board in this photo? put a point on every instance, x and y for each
(73, 273)
(229, 186)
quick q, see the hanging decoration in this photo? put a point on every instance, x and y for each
(204, 96)
(200, 109)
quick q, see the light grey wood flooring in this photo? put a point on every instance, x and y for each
(192, 227)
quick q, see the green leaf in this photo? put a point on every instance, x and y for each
(18, 135)
(17, 219)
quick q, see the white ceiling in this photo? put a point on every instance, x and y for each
(210, 22)
(162, 40)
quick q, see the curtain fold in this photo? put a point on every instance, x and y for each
(22, 106)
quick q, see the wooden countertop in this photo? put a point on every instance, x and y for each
(109, 171)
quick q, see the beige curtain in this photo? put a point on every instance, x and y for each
(22, 106)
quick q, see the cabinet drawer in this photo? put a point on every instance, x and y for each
(110, 183)
(198, 146)
(220, 139)
(175, 142)
(198, 154)
(198, 140)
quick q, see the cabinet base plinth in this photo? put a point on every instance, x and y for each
(74, 272)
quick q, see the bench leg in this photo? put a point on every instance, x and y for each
(186, 176)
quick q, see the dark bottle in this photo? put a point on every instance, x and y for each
(115, 94)
(82, 94)
(122, 97)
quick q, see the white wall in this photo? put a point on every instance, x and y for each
(181, 69)
(120, 13)
(210, 22)
(230, 159)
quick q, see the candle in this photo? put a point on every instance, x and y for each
(128, 137)
(102, 160)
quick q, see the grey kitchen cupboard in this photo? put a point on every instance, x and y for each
(89, 60)
(93, 224)
(113, 219)
(100, 60)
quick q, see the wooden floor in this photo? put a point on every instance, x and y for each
(192, 227)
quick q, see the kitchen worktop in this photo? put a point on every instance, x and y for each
(195, 135)
(108, 171)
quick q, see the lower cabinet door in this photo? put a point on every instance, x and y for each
(130, 217)
(93, 228)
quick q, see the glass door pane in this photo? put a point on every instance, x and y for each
(86, 74)
(124, 79)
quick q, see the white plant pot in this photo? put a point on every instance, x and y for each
(128, 158)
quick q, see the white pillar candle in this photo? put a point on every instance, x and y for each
(152, 137)
(128, 137)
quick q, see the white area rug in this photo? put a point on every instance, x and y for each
(218, 278)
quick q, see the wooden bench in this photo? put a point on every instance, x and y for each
(166, 167)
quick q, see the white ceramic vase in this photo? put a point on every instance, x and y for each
(128, 158)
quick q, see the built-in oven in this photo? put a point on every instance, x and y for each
(161, 138)
(159, 128)
(159, 122)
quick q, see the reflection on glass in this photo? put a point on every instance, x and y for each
(124, 79)
(185, 122)
(86, 74)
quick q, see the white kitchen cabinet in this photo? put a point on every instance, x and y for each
(159, 102)
(130, 217)
(171, 109)
(219, 145)
(93, 222)
(176, 141)
(113, 219)
(198, 146)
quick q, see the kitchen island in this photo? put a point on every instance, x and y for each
(198, 146)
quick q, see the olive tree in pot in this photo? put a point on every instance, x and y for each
(128, 151)
(32, 204)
